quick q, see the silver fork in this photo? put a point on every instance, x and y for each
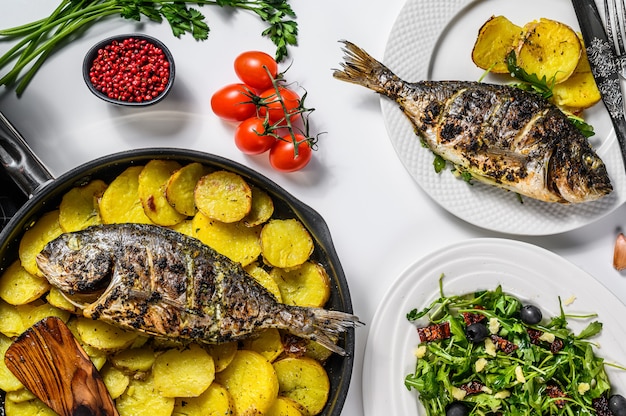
(615, 15)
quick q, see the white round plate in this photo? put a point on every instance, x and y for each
(526, 271)
(433, 39)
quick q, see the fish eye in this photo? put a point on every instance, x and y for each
(73, 243)
(591, 161)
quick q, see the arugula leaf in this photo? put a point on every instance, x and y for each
(530, 82)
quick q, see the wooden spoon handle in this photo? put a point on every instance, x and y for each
(48, 360)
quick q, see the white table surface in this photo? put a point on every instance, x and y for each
(381, 221)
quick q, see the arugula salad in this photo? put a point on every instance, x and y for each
(487, 353)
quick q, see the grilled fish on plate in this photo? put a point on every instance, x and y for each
(163, 283)
(498, 134)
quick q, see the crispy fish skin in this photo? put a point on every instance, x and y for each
(163, 283)
(499, 134)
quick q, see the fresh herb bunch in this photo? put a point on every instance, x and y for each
(514, 383)
(36, 40)
(543, 87)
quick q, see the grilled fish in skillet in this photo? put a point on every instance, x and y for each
(157, 281)
(498, 134)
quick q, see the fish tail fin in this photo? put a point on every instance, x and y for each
(361, 68)
(327, 325)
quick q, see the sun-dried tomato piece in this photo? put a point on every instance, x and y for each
(503, 344)
(555, 392)
(472, 387)
(556, 346)
(472, 318)
(434, 332)
(601, 406)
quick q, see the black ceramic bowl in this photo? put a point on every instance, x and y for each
(139, 83)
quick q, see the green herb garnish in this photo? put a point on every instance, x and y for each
(510, 383)
(36, 40)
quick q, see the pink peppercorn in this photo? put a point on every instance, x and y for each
(131, 70)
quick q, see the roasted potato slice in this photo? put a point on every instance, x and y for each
(549, 48)
(180, 187)
(79, 206)
(33, 407)
(18, 287)
(234, 240)
(267, 343)
(497, 37)
(185, 372)
(8, 381)
(284, 406)
(103, 336)
(134, 360)
(56, 298)
(264, 278)
(215, 401)
(223, 196)
(222, 354)
(251, 395)
(46, 229)
(285, 243)
(115, 380)
(120, 202)
(579, 91)
(305, 381)
(307, 285)
(261, 209)
(142, 398)
(153, 180)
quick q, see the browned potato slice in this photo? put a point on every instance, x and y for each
(285, 243)
(234, 240)
(116, 381)
(496, 38)
(263, 277)
(305, 381)
(142, 398)
(120, 203)
(222, 354)
(79, 206)
(284, 406)
(46, 229)
(267, 343)
(549, 48)
(28, 408)
(261, 210)
(180, 187)
(153, 180)
(251, 395)
(223, 196)
(215, 401)
(17, 286)
(56, 298)
(103, 336)
(8, 381)
(307, 285)
(134, 359)
(185, 372)
(579, 91)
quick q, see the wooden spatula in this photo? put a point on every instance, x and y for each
(48, 360)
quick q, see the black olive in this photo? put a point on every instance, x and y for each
(476, 332)
(617, 405)
(530, 314)
(457, 409)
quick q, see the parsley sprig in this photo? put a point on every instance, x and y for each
(36, 40)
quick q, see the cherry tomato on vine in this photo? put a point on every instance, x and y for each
(250, 137)
(232, 102)
(251, 66)
(291, 99)
(283, 157)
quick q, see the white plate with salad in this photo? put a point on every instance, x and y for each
(530, 273)
(433, 39)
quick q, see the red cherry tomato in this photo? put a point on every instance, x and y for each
(251, 66)
(276, 113)
(283, 157)
(233, 103)
(249, 137)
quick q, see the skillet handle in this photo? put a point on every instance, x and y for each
(19, 161)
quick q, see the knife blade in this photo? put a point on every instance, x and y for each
(604, 66)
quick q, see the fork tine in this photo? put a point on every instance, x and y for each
(614, 25)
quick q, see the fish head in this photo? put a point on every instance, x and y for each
(75, 264)
(578, 173)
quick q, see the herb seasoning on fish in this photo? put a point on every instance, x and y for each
(498, 134)
(155, 280)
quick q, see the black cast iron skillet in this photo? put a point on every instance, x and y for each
(45, 193)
